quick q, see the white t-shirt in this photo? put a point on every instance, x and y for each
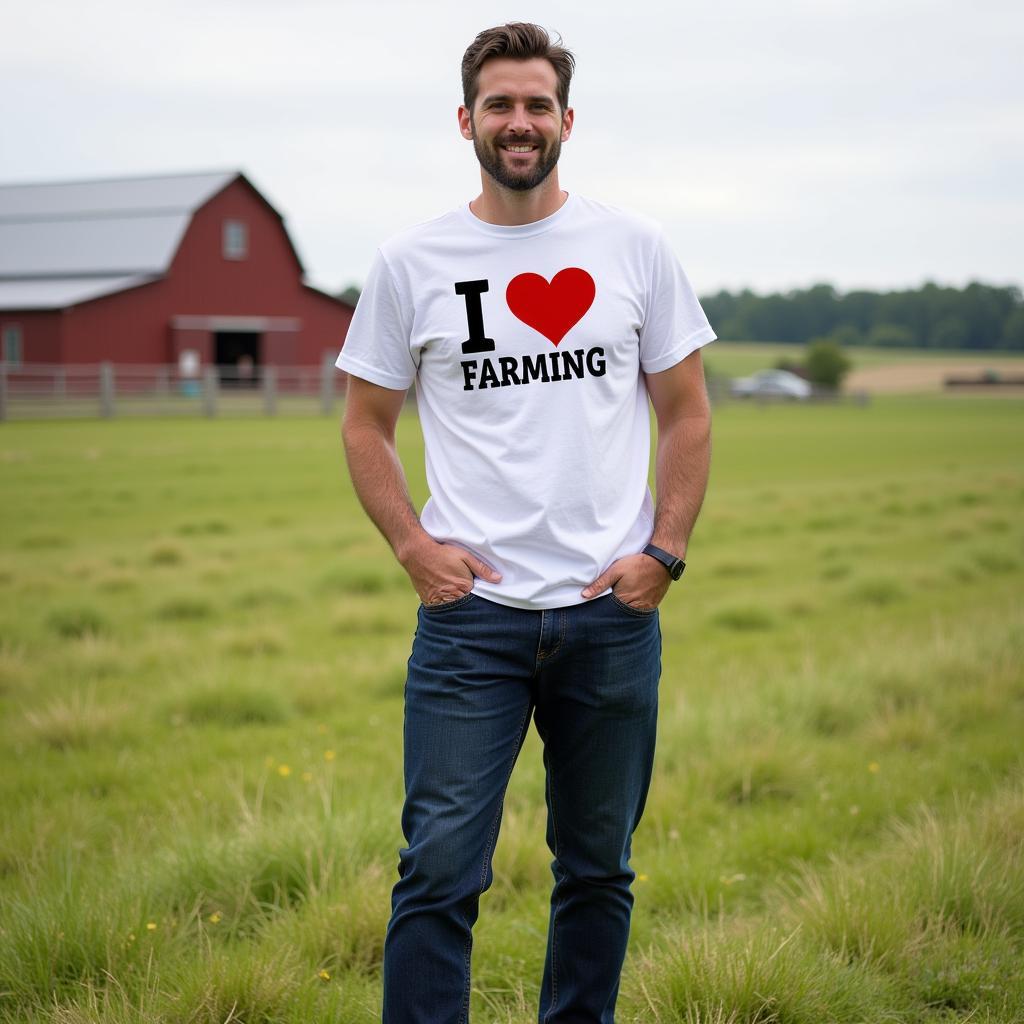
(526, 344)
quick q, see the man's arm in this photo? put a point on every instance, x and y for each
(439, 572)
(683, 458)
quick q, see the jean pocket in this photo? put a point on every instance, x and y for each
(446, 606)
(642, 612)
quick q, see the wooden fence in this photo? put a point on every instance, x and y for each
(49, 391)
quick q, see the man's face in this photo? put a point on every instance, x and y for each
(516, 124)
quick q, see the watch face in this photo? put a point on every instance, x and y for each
(677, 568)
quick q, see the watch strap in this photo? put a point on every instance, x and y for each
(675, 566)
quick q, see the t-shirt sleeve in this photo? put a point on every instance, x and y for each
(674, 323)
(376, 346)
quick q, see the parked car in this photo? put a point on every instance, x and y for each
(771, 384)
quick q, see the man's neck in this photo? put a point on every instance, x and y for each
(499, 205)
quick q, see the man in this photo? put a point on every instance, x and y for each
(535, 324)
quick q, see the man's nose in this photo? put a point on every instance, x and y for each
(520, 122)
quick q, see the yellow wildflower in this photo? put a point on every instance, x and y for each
(214, 918)
(329, 755)
(874, 766)
(283, 770)
(324, 975)
(642, 878)
(151, 926)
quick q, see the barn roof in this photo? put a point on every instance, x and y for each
(65, 242)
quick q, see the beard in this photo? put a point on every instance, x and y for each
(491, 160)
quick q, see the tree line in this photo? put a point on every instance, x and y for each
(980, 316)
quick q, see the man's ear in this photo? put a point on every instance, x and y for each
(465, 122)
(567, 119)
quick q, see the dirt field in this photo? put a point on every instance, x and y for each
(927, 375)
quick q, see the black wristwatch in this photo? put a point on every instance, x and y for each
(674, 565)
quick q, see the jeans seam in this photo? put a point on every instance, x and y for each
(562, 627)
(488, 850)
(639, 612)
(538, 658)
(558, 902)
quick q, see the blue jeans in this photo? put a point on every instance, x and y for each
(589, 676)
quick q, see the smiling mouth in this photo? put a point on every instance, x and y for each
(519, 149)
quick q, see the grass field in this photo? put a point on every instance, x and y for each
(875, 370)
(202, 652)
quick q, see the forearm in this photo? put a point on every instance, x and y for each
(380, 485)
(682, 465)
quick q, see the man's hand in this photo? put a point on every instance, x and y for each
(443, 572)
(637, 580)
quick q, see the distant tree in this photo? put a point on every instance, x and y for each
(790, 365)
(847, 336)
(891, 336)
(1013, 331)
(826, 363)
(977, 317)
(949, 332)
(350, 294)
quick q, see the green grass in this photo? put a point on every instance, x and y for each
(202, 655)
(740, 358)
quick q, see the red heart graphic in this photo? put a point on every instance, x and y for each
(551, 309)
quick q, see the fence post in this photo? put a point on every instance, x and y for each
(107, 388)
(269, 390)
(327, 372)
(210, 391)
(3, 391)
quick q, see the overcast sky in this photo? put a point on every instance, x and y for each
(867, 143)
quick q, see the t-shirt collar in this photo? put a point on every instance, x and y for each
(535, 227)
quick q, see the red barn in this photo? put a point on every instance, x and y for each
(190, 269)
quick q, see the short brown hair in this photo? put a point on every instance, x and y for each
(520, 40)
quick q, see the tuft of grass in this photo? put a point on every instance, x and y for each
(356, 580)
(737, 570)
(212, 527)
(166, 553)
(342, 929)
(754, 774)
(836, 571)
(879, 592)
(264, 597)
(233, 705)
(255, 642)
(116, 580)
(238, 985)
(75, 621)
(270, 865)
(743, 619)
(732, 975)
(995, 561)
(185, 608)
(43, 541)
(71, 722)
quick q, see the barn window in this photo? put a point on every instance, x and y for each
(236, 240)
(12, 344)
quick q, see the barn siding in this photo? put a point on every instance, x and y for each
(134, 326)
